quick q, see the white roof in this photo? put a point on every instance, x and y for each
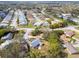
(7, 18)
(8, 36)
(3, 45)
(22, 19)
(38, 23)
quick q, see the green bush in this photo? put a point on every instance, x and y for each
(36, 31)
(3, 31)
(54, 26)
(34, 53)
(56, 49)
(58, 25)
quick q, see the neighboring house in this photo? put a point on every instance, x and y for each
(26, 36)
(69, 33)
(14, 21)
(5, 44)
(71, 49)
(36, 43)
(56, 21)
(22, 18)
(45, 24)
(64, 38)
(66, 16)
(7, 19)
(7, 37)
(38, 23)
(41, 23)
(59, 15)
(3, 25)
(74, 20)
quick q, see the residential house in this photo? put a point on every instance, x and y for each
(36, 43)
(69, 33)
(5, 44)
(71, 49)
(7, 37)
(66, 16)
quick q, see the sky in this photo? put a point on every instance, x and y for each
(39, 0)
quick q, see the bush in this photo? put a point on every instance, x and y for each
(59, 32)
(34, 53)
(49, 21)
(54, 26)
(55, 46)
(36, 31)
(56, 49)
(13, 51)
(2, 32)
(58, 25)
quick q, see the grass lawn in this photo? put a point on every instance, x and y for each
(27, 26)
(76, 35)
(68, 22)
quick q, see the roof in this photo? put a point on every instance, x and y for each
(6, 43)
(45, 24)
(7, 18)
(35, 43)
(70, 48)
(14, 21)
(38, 23)
(22, 19)
(69, 33)
(67, 14)
(7, 37)
(74, 19)
(64, 38)
(26, 36)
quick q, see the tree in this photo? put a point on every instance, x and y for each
(12, 51)
(33, 53)
(56, 49)
(56, 25)
(3, 31)
(49, 21)
(36, 31)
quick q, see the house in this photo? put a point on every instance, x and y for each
(5, 44)
(56, 21)
(59, 15)
(45, 24)
(36, 17)
(69, 33)
(7, 19)
(36, 43)
(66, 16)
(7, 37)
(38, 23)
(14, 21)
(22, 19)
(26, 36)
(74, 20)
(64, 38)
(71, 49)
(3, 25)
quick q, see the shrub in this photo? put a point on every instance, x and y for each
(36, 31)
(56, 49)
(3, 31)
